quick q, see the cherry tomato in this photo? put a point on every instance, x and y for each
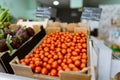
(82, 65)
(54, 64)
(44, 71)
(77, 63)
(32, 66)
(84, 45)
(50, 61)
(37, 69)
(45, 59)
(48, 66)
(46, 49)
(53, 72)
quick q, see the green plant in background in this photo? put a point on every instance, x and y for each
(4, 15)
(5, 20)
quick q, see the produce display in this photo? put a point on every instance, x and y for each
(58, 51)
(12, 40)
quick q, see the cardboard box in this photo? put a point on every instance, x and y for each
(52, 29)
(24, 70)
(5, 58)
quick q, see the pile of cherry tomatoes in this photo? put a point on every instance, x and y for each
(58, 51)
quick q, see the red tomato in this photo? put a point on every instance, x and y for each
(48, 66)
(31, 62)
(46, 49)
(44, 71)
(67, 69)
(37, 63)
(77, 50)
(22, 60)
(41, 51)
(59, 68)
(84, 61)
(75, 69)
(59, 61)
(44, 64)
(73, 44)
(52, 47)
(84, 45)
(27, 56)
(82, 65)
(36, 55)
(53, 72)
(72, 48)
(46, 54)
(27, 61)
(64, 46)
(84, 50)
(50, 61)
(58, 49)
(32, 66)
(65, 66)
(71, 66)
(37, 59)
(69, 61)
(54, 64)
(42, 56)
(55, 57)
(50, 56)
(45, 59)
(23, 63)
(64, 60)
(77, 63)
(64, 51)
(69, 50)
(74, 53)
(84, 56)
(37, 69)
(60, 56)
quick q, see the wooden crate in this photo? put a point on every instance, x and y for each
(24, 70)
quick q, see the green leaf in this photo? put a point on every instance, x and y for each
(8, 42)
